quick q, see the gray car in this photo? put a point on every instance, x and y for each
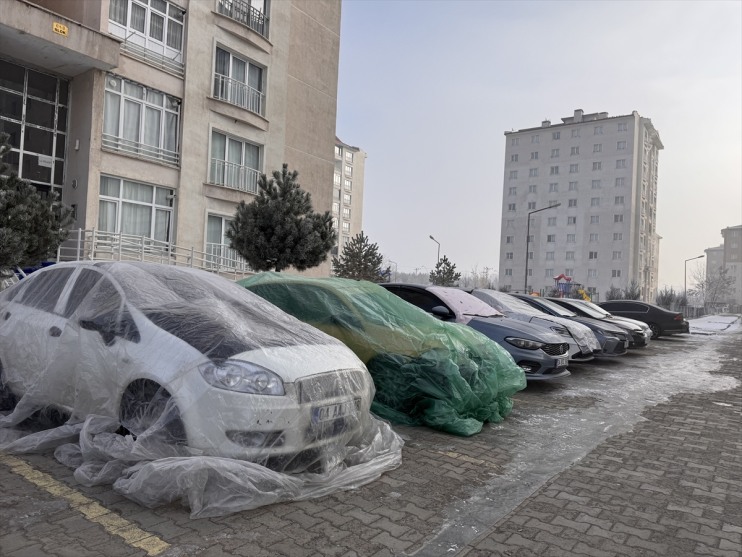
(540, 352)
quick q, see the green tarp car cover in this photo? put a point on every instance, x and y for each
(426, 372)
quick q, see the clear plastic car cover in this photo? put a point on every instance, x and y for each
(426, 372)
(175, 384)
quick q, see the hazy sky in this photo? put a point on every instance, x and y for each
(427, 88)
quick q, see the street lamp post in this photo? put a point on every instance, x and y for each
(394, 277)
(528, 240)
(685, 277)
(439, 247)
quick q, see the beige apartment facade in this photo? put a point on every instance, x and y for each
(728, 257)
(347, 199)
(155, 118)
(580, 200)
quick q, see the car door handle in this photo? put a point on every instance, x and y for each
(55, 332)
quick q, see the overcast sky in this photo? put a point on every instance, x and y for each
(428, 88)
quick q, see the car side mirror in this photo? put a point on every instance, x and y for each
(109, 327)
(442, 312)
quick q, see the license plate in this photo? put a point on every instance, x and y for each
(561, 362)
(334, 411)
(626, 344)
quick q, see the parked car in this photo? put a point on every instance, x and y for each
(613, 340)
(540, 352)
(426, 372)
(660, 320)
(582, 341)
(182, 351)
(639, 332)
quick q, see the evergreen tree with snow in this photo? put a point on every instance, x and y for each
(360, 260)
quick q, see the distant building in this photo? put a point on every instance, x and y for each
(728, 256)
(347, 199)
(155, 118)
(603, 172)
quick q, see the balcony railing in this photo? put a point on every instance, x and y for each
(238, 93)
(234, 176)
(96, 245)
(242, 12)
(148, 152)
(153, 58)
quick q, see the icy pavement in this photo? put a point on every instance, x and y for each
(713, 324)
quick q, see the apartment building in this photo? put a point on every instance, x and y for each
(579, 199)
(728, 256)
(155, 117)
(347, 199)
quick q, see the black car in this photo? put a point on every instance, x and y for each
(613, 340)
(660, 320)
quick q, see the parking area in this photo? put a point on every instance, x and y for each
(638, 455)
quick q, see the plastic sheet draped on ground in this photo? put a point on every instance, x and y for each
(175, 384)
(426, 372)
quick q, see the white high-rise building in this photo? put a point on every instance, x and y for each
(602, 173)
(347, 199)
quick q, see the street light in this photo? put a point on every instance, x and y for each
(439, 247)
(394, 277)
(528, 240)
(685, 279)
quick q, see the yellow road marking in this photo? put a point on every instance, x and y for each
(90, 509)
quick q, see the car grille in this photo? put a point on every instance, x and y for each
(331, 385)
(555, 349)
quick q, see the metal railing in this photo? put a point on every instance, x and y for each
(242, 12)
(234, 176)
(96, 245)
(148, 152)
(238, 93)
(153, 58)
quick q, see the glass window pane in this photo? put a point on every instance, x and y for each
(136, 219)
(138, 14)
(61, 146)
(117, 11)
(11, 105)
(221, 65)
(137, 192)
(42, 86)
(63, 92)
(171, 132)
(214, 230)
(152, 127)
(159, 5)
(111, 114)
(256, 78)
(31, 169)
(174, 35)
(218, 145)
(175, 12)
(252, 156)
(131, 120)
(109, 186)
(234, 154)
(133, 90)
(12, 159)
(155, 97)
(59, 172)
(62, 119)
(38, 141)
(13, 129)
(162, 225)
(156, 27)
(239, 69)
(40, 113)
(11, 76)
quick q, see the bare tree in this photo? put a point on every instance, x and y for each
(712, 288)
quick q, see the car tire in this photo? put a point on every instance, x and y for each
(8, 400)
(656, 330)
(143, 404)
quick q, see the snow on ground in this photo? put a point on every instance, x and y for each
(713, 324)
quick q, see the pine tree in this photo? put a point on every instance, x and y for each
(632, 292)
(279, 229)
(444, 273)
(360, 260)
(32, 225)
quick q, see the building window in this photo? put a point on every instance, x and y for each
(336, 194)
(511, 206)
(598, 130)
(338, 151)
(617, 218)
(574, 168)
(569, 256)
(531, 205)
(127, 207)
(509, 255)
(592, 273)
(534, 156)
(508, 272)
(554, 153)
(595, 202)
(510, 223)
(348, 185)
(348, 170)
(619, 199)
(533, 188)
(616, 255)
(514, 141)
(513, 158)
(598, 165)
(576, 132)
(554, 170)
(553, 203)
(593, 255)
(218, 250)
(571, 220)
(617, 236)
(621, 146)
(549, 273)
(573, 186)
(533, 173)
(347, 199)
(157, 28)
(234, 163)
(569, 272)
(335, 207)
(620, 182)
(141, 121)
(621, 163)
(594, 236)
(349, 157)
(572, 203)
(346, 227)
(616, 273)
(571, 238)
(346, 213)
(553, 187)
(534, 138)
(336, 179)
(550, 256)
(513, 175)
(530, 255)
(594, 219)
(508, 239)
(551, 221)
(551, 238)
(598, 148)
(238, 82)
(623, 126)
(596, 184)
(555, 135)
(512, 191)
(33, 111)
(574, 151)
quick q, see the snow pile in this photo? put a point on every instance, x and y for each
(713, 324)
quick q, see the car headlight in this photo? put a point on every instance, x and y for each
(560, 330)
(524, 343)
(242, 377)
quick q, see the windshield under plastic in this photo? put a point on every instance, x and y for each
(464, 302)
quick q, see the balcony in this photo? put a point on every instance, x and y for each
(140, 150)
(241, 12)
(234, 176)
(153, 58)
(239, 94)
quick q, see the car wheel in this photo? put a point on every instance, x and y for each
(145, 403)
(8, 399)
(656, 330)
